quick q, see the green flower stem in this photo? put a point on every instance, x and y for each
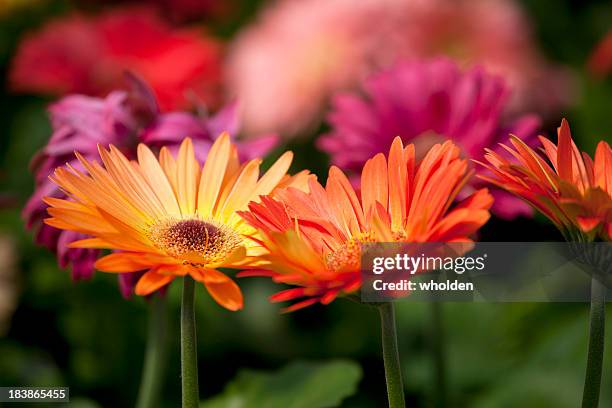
(393, 371)
(439, 354)
(189, 354)
(155, 354)
(592, 381)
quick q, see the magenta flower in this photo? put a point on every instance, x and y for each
(79, 123)
(424, 102)
(124, 119)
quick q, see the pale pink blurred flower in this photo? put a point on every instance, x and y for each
(285, 66)
(496, 34)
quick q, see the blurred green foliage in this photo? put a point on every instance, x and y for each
(299, 385)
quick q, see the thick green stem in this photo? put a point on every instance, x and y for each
(438, 345)
(393, 371)
(155, 354)
(189, 354)
(592, 381)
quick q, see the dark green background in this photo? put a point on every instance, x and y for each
(87, 337)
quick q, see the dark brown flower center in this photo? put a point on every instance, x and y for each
(193, 237)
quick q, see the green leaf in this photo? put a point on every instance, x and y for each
(298, 385)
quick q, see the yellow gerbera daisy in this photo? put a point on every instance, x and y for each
(170, 217)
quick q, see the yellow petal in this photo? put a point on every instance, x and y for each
(213, 174)
(155, 175)
(188, 178)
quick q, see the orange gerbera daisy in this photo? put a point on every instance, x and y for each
(313, 238)
(171, 217)
(571, 189)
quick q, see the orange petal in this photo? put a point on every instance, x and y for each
(187, 171)
(374, 184)
(587, 224)
(481, 199)
(273, 176)
(91, 243)
(121, 262)
(168, 163)
(151, 281)
(344, 201)
(130, 262)
(602, 167)
(213, 174)
(157, 179)
(208, 275)
(242, 190)
(397, 167)
(564, 152)
(227, 294)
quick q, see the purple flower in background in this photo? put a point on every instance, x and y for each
(425, 102)
(124, 119)
(79, 123)
(169, 129)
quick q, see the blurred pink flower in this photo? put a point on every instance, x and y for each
(496, 34)
(284, 67)
(124, 119)
(88, 55)
(425, 102)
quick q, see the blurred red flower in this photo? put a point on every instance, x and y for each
(600, 61)
(81, 54)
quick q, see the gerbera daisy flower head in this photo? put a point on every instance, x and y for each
(567, 186)
(123, 119)
(171, 217)
(314, 238)
(425, 102)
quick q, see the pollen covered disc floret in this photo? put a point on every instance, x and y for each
(347, 256)
(194, 240)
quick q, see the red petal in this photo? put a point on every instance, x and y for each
(587, 224)
(300, 305)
